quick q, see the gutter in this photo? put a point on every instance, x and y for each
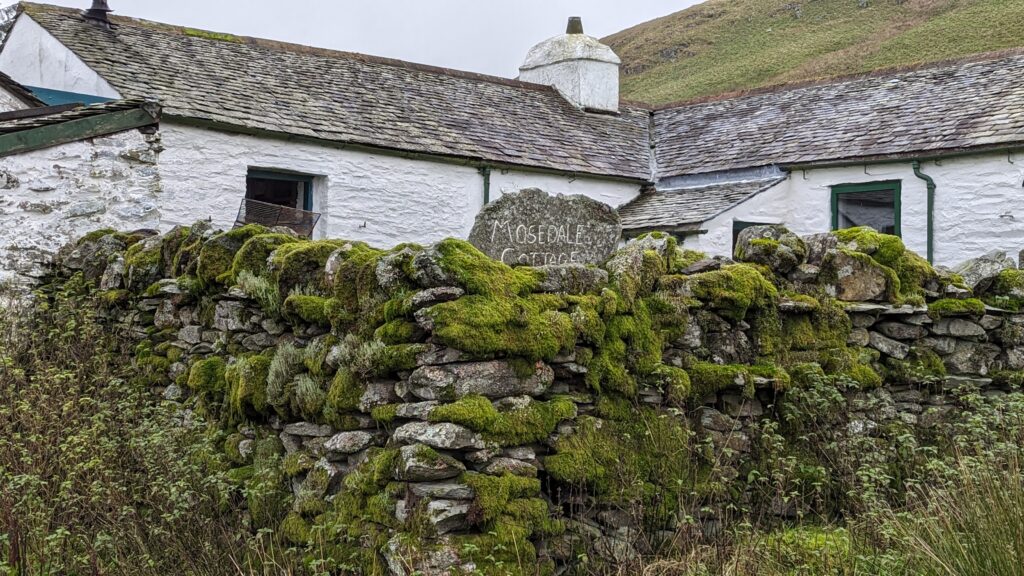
(931, 207)
(485, 171)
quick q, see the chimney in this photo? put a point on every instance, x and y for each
(582, 69)
(98, 13)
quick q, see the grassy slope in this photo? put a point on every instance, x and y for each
(727, 45)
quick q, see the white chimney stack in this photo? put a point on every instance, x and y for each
(582, 69)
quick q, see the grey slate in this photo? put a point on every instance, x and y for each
(671, 208)
(352, 98)
(946, 107)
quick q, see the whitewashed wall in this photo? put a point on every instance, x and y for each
(33, 57)
(378, 198)
(979, 205)
(9, 102)
(48, 197)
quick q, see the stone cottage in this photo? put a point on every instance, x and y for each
(388, 151)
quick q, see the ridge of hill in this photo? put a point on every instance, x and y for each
(723, 46)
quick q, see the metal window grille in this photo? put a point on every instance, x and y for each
(270, 215)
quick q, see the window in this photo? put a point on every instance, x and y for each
(872, 204)
(280, 188)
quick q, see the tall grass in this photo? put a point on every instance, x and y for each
(96, 477)
(974, 528)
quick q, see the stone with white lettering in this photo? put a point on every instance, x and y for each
(533, 228)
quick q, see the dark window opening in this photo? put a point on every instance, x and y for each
(874, 205)
(278, 199)
(280, 188)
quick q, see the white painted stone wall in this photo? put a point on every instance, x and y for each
(48, 197)
(979, 205)
(33, 57)
(9, 102)
(378, 198)
(584, 83)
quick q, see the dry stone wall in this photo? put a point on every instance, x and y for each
(430, 409)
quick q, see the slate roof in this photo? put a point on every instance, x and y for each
(345, 97)
(946, 107)
(667, 209)
(62, 114)
(19, 91)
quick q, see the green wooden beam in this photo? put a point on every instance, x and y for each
(74, 130)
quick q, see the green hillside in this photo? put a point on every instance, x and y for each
(727, 45)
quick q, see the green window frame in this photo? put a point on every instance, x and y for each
(894, 186)
(304, 179)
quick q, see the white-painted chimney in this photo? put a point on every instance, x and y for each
(582, 69)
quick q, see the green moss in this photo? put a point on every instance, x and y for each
(266, 492)
(531, 327)
(142, 257)
(492, 494)
(1007, 291)
(533, 423)
(632, 348)
(246, 382)
(96, 235)
(207, 35)
(231, 448)
(682, 258)
(398, 332)
(675, 382)
(208, 375)
(481, 275)
(955, 307)
(398, 357)
(297, 463)
(344, 394)
(313, 310)
(355, 284)
(300, 265)
(218, 253)
(295, 529)
(708, 378)
(733, 290)
(111, 298)
(643, 463)
(385, 414)
(253, 256)
(586, 318)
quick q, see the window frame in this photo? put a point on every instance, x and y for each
(894, 186)
(282, 175)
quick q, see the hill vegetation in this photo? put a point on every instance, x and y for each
(723, 46)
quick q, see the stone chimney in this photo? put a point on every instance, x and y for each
(582, 69)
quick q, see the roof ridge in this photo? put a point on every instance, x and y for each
(892, 71)
(278, 45)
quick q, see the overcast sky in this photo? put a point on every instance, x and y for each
(489, 36)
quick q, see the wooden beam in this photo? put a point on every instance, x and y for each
(35, 112)
(74, 130)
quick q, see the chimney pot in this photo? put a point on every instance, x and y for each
(98, 12)
(575, 25)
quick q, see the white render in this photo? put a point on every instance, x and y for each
(33, 57)
(582, 69)
(381, 199)
(979, 205)
(49, 197)
(9, 102)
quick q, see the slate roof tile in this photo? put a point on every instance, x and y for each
(673, 208)
(353, 98)
(945, 107)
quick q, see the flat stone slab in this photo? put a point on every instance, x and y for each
(494, 379)
(533, 228)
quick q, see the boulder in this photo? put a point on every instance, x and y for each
(494, 379)
(774, 246)
(448, 515)
(448, 490)
(819, 246)
(858, 278)
(348, 442)
(888, 346)
(419, 463)
(901, 331)
(443, 435)
(308, 429)
(979, 273)
(972, 358)
(958, 328)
